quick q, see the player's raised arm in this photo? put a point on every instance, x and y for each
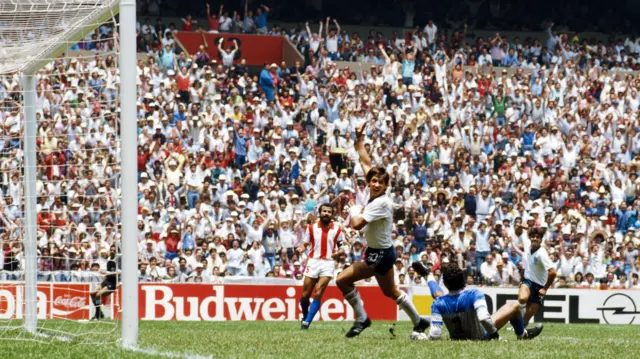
(365, 159)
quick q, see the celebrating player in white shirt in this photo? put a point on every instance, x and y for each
(539, 275)
(325, 239)
(376, 219)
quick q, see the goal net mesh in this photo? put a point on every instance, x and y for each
(71, 48)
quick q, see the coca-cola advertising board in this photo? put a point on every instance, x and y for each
(55, 301)
(196, 302)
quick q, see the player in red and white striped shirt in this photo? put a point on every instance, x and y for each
(324, 241)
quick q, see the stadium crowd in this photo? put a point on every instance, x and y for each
(233, 164)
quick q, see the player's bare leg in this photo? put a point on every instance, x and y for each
(510, 312)
(523, 298)
(388, 286)
(532, 309)
(320, 286)
(307, 288)
(527, 312)
(505, 313)
(355, 272)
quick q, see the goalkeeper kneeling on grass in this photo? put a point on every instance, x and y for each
(464, 311)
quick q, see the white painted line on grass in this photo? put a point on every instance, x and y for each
(166, 354)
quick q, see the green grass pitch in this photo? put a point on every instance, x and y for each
(284, 340)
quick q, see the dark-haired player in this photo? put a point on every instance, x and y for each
(324, 238)
(539, 274)
(376, 220)
(107, 286)
(465, 312)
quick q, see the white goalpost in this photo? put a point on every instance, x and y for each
(129, 174)
(68, 138)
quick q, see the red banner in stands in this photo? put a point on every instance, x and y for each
(196, 302)
(55, 301)
(256, 49)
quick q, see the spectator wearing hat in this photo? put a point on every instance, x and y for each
(268, 81)
(171, 240)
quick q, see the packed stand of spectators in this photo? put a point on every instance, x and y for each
(77, 159)
(581, 15)
(232, 165)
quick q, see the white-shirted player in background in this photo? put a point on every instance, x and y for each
(539, 275)
(325, 240)
(376, 219)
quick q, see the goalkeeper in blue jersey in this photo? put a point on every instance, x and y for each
(464, 311)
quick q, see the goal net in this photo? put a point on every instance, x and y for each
(59, 173)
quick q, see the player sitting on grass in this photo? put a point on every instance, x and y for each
(464, 311)
(324, 237)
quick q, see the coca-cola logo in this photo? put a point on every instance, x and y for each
(54, 301)
(70, 302)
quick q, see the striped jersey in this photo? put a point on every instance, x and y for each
(324, 241)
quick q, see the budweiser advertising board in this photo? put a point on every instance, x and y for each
(55, 301)
(195, 302)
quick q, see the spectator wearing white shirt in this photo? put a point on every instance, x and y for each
(489, 270)
(431, 30)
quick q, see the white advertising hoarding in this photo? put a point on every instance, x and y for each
(560, 305)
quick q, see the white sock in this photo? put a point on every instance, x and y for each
(405, 304)
(354, 299)
(523, 309)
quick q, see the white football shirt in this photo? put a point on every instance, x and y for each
(537, 265)
(379, 216)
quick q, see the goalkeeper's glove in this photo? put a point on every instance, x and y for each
(495, 336)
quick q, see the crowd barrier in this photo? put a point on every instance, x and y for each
(257, 50)
(69, 301)
(572, 306)
(277, 299)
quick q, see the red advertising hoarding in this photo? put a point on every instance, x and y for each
(255, 49)
(55, 301)
(206, 302)
(195, 302)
